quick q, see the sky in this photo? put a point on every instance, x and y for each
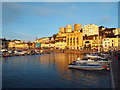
(28, 20)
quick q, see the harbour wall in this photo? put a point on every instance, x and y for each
(68, 51)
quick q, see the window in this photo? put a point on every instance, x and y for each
(112, 44)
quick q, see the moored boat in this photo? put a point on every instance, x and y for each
(91, 62)
(94, 61)
(91, 59)
(87, 66)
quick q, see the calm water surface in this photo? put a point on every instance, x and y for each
(50, 71)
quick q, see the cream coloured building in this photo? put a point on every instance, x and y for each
(90, 29)
(12, 43)
(17, 44)
(61, 44)
(42, 40)
(21, 45)
(45, 45)
(111, 43)
(74, 40)
(62, 29)
(77, 27)
(68, 28)
(116, 31)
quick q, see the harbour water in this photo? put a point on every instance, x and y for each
(50, 71)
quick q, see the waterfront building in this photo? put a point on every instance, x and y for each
(52, 45)
(87, 44)
(62, 29)
(60, 41)
(12, 43)
(57, 44)
(68, 28)
(45, 45)
(31, 44)
(94, 34)
(61, 34)
(116, 32)
(42, 40)
(88, 37)
(94, 41)
(111, 44)
(110, 38)
(21, 46)
(60, 45)
(90, 29)
(77, 27)
(108, 33)
(17, 44)
(74, 40)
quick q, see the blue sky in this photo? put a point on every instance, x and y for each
(29, 20)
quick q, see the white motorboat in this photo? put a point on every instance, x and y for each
(93, 56)
(97, 55)
(86, 66)
(93, 61)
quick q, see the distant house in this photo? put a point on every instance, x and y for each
(17, 44)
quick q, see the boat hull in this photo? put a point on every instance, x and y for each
(88, 67)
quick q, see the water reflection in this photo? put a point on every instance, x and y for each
(50, 70)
